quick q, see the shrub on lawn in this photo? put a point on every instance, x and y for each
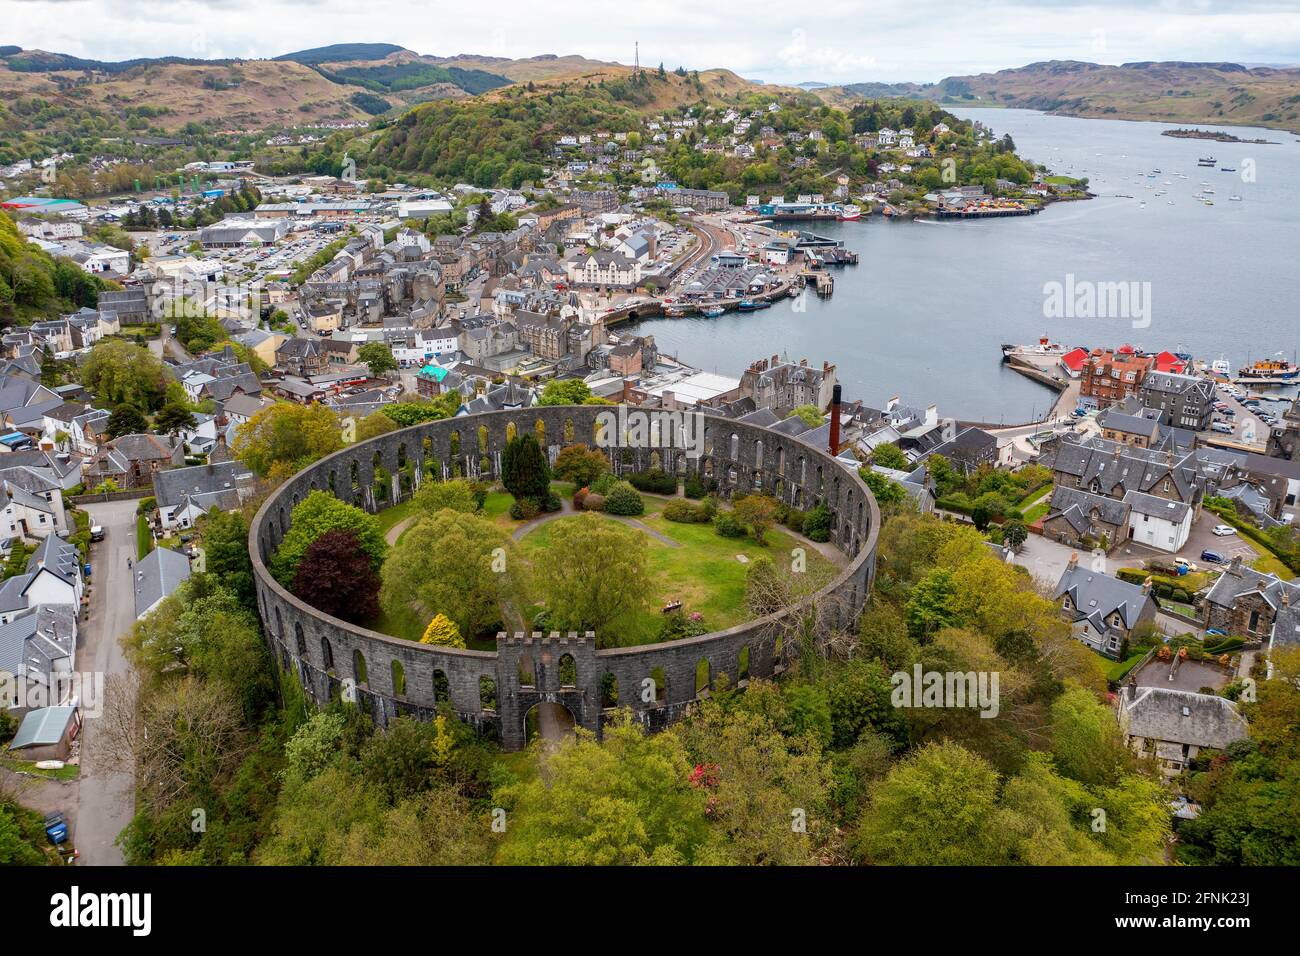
(593, 502)
(729, 526)
(525, 509)
(623, 499)
(687, 513)
(656, 481)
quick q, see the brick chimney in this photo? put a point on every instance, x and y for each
(835, 421)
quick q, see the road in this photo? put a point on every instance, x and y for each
(107, 800)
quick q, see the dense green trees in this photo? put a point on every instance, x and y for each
(123, 374)
(312, 517)
(626, 801)
(584, 555)
(33, 285)
(284, 438)
(451, 563)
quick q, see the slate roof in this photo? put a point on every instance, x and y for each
(1180, 716)
(1239, 580)
(1096, 596)
(172, 487)
(1077, 508)
(1157, 507)
(1123, 468)
(57, 556)
(158, 575)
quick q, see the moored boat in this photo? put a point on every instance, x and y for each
(1268, 372)
(711, 311)
(850, 213)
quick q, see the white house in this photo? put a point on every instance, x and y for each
(1158, 522)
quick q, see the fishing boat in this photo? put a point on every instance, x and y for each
(1268, 372)
(850, 213)
(1234, 199)
(674, 313)
(1207, 161)
(1227, 169)
(752, 305)
(711, 311)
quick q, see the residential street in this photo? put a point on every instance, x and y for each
(106, 799)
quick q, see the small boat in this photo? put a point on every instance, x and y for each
(674, 313)
(1234, 199)
(850, 213)
(1207, 161)
(711, 311)
(1227, 169)
(1208, 192)
(1208, 202)
(753, 305)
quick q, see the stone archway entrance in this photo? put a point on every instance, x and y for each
(548, 721)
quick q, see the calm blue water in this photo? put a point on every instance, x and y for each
(924, 313)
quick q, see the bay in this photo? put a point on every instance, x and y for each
(924, 314)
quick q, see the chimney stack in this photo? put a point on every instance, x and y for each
(1074, 560)
(835, 421)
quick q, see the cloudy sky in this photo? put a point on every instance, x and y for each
(843, 41)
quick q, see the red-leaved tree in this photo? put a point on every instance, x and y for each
(336, 576)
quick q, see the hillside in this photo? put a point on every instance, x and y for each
(54, 92)
(504, 136)
(165, 95)
(1223, 93)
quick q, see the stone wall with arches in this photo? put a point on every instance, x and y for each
(389, 677)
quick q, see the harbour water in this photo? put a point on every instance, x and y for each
(925, 312)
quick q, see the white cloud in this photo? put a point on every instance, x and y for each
(848, 40)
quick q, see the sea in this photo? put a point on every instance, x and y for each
(924, 314)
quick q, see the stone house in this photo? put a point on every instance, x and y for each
(1172, 727)
(1103, 611)
(1246, 602)
(1086, 521)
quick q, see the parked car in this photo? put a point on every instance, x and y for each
(96, 532)
(1223, 530)
(1212, 556)
(1223, 428)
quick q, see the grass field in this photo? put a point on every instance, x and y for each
(704, 572)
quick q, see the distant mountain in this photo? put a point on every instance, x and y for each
(1175, 92)
(812, 85)
(340, 52)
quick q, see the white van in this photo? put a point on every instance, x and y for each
(1223, 428)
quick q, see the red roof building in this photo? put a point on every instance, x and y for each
(1072, 361)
